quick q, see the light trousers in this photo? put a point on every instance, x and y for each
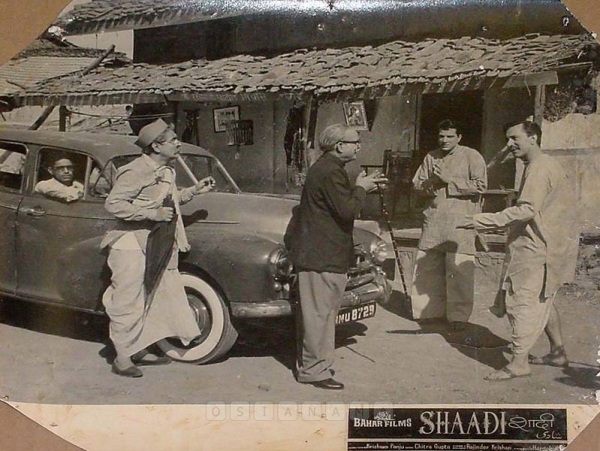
(443, 285)
(320, 299)
(528, 311)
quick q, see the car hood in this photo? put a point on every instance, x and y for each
(258, 214)
(265, 215)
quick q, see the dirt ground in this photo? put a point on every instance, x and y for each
(50, 356)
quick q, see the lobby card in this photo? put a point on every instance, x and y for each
(408, 386)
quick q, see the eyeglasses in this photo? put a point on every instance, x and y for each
(350, 142)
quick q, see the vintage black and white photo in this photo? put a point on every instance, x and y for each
(309, 202)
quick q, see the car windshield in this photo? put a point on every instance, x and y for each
(201, 166)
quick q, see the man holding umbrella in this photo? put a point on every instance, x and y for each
(146, 301)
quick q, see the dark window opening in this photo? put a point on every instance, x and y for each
(465, 107)
(12, 164)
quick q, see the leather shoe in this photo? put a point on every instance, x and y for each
(131, 371)
(328, 384)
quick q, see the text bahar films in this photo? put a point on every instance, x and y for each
(409, 386)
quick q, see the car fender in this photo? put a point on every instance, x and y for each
(236, 260)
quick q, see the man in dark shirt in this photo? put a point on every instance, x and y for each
(320, 241)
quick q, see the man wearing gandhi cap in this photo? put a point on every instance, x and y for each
(143, 197)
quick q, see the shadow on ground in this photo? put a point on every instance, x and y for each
(54, 320)
(62, 322)
(581, 375)
(277, 338)
(475, 341)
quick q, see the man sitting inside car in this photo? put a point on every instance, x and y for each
(62, 185)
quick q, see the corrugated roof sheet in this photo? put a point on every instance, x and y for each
(29, 71)
(58, 48)
(47, 58)
(452, 63)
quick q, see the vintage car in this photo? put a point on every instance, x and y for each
(237, 268)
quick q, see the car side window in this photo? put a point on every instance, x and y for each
(12, 165)
(61, 174)
(100, 181)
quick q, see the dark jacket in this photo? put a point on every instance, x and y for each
(319, 236)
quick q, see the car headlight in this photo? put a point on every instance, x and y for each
(380, 251)
(279, 264)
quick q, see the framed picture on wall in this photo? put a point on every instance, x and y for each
(355, 115)
(224, 115)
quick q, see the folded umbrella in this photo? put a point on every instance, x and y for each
(159, 248)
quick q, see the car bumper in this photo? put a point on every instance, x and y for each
(377, 290)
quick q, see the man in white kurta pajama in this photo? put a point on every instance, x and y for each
(541, 252)
(139, 319)
(452, 179)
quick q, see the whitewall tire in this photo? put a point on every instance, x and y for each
(217, 333)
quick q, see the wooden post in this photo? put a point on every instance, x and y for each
(312, 108)
(62, 118)
(275, 150)
(179, 120)
(540, 101)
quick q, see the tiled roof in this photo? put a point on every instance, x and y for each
(102, 15)
(452, 64)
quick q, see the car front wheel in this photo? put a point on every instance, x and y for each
(217, 334)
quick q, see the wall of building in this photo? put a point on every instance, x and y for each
(583, 170)
(574, 131)
(262, 166)
(254, 166)
(122, 40)
(276, 33)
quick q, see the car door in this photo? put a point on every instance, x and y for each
(59, 256)
(12, 182)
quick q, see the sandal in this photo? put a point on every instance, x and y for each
(504, 374)
(557, 358)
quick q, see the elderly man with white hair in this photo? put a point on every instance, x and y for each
(320, 241)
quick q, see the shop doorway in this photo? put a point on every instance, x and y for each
(466, 107)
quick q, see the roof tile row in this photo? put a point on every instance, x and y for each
(326, 71)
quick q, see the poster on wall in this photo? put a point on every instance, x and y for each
(429, 350)
(224, 115)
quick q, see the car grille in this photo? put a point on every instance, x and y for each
(362, 271)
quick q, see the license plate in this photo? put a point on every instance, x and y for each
(351, 314)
